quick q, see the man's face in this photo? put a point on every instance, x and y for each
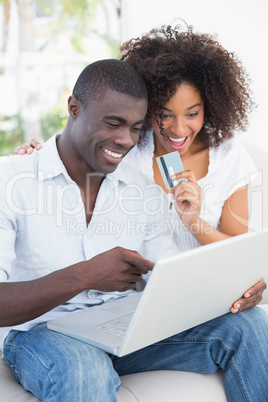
(104, 132)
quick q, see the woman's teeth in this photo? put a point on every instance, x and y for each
(111, 153)
(177, 139)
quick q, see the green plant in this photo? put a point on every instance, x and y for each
(11, 134)
(11, 130)
(53, 122)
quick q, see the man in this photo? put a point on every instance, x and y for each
(76, 230)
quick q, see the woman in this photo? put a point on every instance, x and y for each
(198, 97)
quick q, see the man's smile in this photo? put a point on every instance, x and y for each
(112, 153)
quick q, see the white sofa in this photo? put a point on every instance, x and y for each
(171, 386)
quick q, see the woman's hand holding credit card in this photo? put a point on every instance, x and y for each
(187, 194)
(170, 164)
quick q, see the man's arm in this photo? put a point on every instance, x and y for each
(115, 270)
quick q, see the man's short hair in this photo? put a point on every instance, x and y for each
(108, 74)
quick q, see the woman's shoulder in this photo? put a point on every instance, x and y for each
(231, 152)
(230, 162)
(227, 147)
(141, 155)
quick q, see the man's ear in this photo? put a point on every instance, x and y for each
(73, 106)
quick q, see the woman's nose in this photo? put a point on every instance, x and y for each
(178, 127)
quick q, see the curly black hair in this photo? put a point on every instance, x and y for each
(169, 56)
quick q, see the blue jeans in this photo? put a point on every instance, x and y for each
(56, 367)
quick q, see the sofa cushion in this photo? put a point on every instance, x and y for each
(154, 386)
(173, 386)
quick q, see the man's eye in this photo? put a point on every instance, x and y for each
(113, 124)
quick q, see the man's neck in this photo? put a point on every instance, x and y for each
(87, 180)
(78, 169)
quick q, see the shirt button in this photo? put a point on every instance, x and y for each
(92, 294)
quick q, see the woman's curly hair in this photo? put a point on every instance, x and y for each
(168, 56)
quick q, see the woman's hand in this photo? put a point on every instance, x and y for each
(25, 148)
(188, 197)
(250, 299)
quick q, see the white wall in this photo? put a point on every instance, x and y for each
(241, 26)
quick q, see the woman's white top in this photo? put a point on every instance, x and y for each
(230, 168)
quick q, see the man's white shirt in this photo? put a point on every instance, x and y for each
(43, 224)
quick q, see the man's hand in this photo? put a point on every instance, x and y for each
(251, 298)
(117, 269)
(25, 148)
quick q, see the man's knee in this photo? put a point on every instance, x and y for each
(88, 373)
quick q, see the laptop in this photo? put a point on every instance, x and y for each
(183, 291)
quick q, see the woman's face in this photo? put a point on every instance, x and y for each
(183, 118)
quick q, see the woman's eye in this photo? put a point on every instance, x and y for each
(191, 115)
(165, 116)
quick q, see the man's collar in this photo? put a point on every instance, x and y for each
(124, 173)
(50, 165)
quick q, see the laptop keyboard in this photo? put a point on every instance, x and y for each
(117, 327)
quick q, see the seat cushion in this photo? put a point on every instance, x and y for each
(152, 387)
(172, 386)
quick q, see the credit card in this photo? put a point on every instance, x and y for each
(170, 164)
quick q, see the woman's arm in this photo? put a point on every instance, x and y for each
(233, 221)
(188, 196)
